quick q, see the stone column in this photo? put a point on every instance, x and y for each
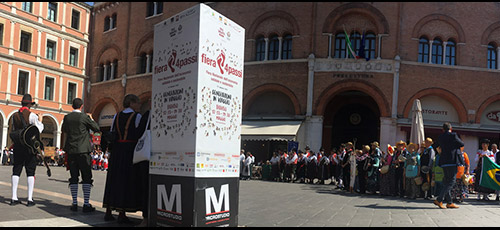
(444, 52)
(280, 47)
(267, 48)
(105, 77)
(395, 88)
(112, 71)
(388, 131)
(430, 51)
(379, 45)
(148, 64)
(5, 133)
(330, 45)
(498, 53)
(310, 84)
(58, 139)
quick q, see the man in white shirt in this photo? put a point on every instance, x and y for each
(242, 163)
(291, 165)
(23, 156)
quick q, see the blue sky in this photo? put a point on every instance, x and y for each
(90, 3)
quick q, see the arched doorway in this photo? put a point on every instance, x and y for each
(49, 132)
(348, 116)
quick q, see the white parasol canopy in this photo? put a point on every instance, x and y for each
(417, 124)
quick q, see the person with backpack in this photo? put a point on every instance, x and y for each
(22, 155)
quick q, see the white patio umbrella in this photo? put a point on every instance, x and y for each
(417, 124)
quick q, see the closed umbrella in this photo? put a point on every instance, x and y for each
(417, 124)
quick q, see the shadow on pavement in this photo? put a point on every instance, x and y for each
(332, 189)
(94, 219)
(57, 180)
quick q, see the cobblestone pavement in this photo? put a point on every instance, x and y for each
(262, 204)
(268, 204)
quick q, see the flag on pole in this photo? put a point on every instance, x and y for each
(349, 45)
(490, 174)
(361, 51)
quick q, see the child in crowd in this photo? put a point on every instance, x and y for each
(437, 175)
(412, 171)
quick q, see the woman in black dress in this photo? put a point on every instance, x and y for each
(124, 191)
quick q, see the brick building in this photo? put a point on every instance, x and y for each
(301, 85)
(43, 50)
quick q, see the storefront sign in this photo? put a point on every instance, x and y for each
(106, 116)
(494, 116)
(196, 113)
(435, 108)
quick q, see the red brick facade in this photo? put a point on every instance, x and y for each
(469, 86)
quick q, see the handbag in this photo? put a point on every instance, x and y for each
(142, 151)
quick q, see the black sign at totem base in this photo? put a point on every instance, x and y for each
(193, 202)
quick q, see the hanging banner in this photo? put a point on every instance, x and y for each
(196, 118)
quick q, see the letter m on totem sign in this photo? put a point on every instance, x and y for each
(168, 201)
(211, 198)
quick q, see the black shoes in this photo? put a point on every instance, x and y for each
(88, 208)
(15, 202)
(123, 220)
(30, 203)
(108, 217)
(74, 208)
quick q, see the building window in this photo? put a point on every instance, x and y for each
(154, 8)
(451, 53)
(340, 46)
(73, 56)
(110, 22)
(22, 84)
(286, 52)
(437, 51)
(142, 64)
(51, 50)
(113, 21)
(101, 73)
(49, 89)
(108, 71)
(27, 6)
(260, 52)
(274, 44)
(52, 14)
(75, 19)
(355, 39)
(115, 69)
(492, 56)
(107, 21)
(150, 63)
(71, 92)
(25, 42)
(423, 50)
(370, 45)
(1, 34)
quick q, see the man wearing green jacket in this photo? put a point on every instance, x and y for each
(76, 126)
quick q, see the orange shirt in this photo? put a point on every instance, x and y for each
(461, 169)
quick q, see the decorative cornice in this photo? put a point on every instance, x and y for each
(353, 65)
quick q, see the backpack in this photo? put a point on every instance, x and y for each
(16, 135)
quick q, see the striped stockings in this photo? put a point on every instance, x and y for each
(74, 192)
(86, 193)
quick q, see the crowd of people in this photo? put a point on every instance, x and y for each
(99, 159)
(405, 170)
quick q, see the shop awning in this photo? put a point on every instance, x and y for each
(269, 130)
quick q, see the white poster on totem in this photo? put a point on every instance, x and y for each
(220, 86)
(173, 107)
(197, 95)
